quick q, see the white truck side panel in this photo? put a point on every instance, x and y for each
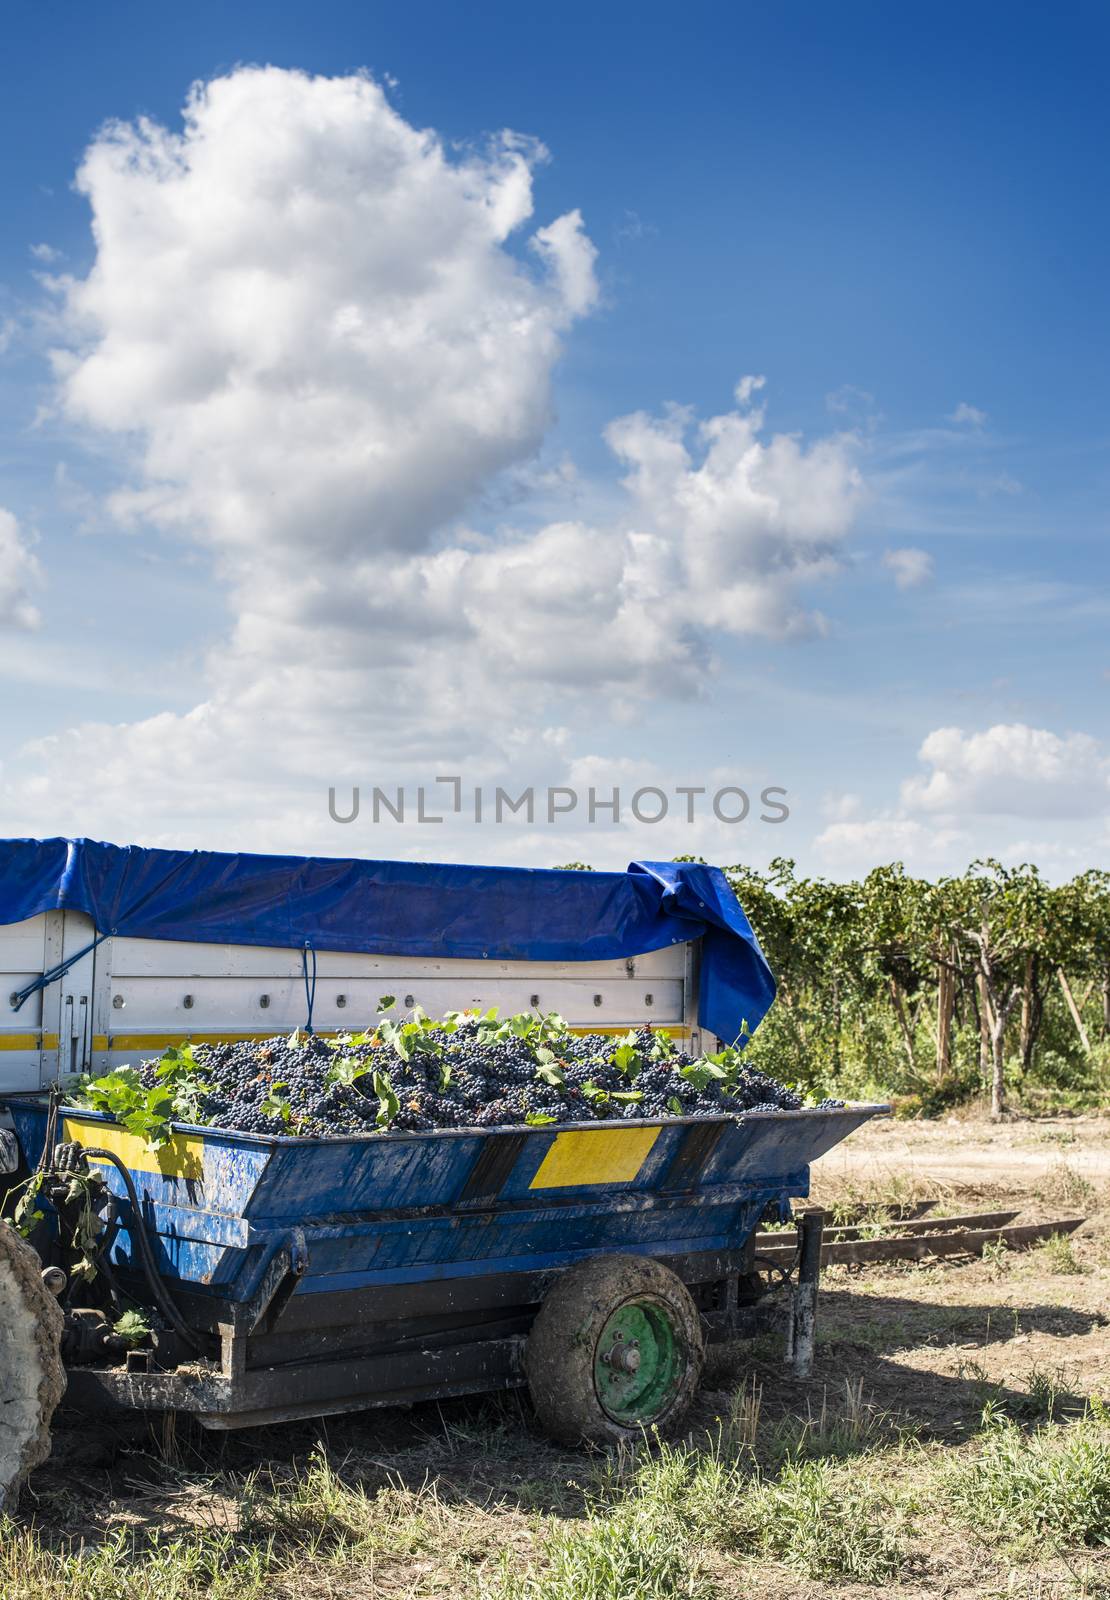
(131, 997)
(27, 949)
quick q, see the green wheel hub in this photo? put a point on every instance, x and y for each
(638, 1361)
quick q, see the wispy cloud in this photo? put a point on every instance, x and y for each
(19, 574)
(965, 413)
(631, 228)
(909, 567)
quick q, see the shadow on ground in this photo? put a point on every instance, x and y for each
(861, 1335)
(489, 1451)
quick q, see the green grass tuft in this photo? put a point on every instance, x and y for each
(821, 1519)
(639, 1548)
(1052, 1485)
(1057, 1255)
(129, 1566)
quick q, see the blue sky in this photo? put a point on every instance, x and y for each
(893, 215)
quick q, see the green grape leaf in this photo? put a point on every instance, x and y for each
(388, 1103)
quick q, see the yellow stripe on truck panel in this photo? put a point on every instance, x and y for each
(182, 1157)
(674, 1030)
(19, 1041)
(162, 1041)
(602, 1155)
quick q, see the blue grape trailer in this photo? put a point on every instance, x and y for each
(247, 1278)
(312, 1276)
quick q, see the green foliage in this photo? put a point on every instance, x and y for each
(79, 1198)
(1059, 1256)
(133, 1327)
(179, 1084)
(27, 1215)
(388, 1103)
(626, 1057)
(860, 968)
(276, 1104)
(134, 1565)
(347, 1069)
(628, 1555)
(644, 1535)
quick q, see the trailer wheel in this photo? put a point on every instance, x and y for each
(616, 1347)
(32, 1379)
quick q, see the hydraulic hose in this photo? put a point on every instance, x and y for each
(150, 1266)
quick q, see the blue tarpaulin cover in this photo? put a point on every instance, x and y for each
(401, 908)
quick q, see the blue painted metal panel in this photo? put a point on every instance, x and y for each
(391, 1208)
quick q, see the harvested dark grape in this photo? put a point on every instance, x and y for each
(468, 1072)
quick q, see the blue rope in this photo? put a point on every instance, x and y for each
(53, 975)
(309, 984)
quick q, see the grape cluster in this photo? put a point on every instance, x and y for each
(459, 1076)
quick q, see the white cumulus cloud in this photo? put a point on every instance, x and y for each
(977, 798)
(1011, 770)
(307, 313)
(319, 338)
(738, 521)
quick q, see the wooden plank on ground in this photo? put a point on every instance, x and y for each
(849, 1215)
(918, 1247)
(979, 1219)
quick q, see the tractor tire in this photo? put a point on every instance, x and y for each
(616, 1349)
(32, 1378)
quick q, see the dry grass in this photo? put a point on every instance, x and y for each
(1064, 1186)
(765, 1503)
(881, 1194)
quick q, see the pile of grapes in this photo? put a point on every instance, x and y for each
(463, 1071)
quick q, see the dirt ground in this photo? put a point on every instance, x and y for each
(933, 1343)
(968, 1155)
(922, 1347)
(961, 1321)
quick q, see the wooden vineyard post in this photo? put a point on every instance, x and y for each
(1074, 1009)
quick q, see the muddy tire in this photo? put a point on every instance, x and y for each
(616, 1348)
(32, 1379)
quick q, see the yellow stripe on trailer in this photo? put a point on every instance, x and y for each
(181, 1157)
(19, 1041)
(588, 1156)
